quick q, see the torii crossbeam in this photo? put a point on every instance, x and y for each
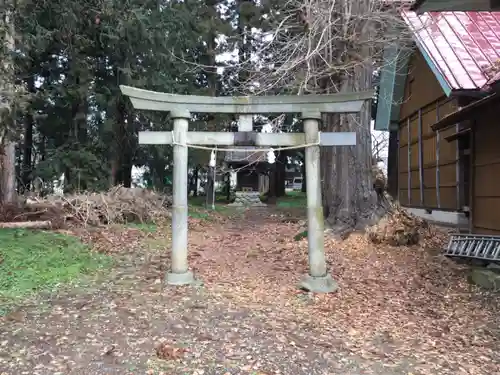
(310, 106)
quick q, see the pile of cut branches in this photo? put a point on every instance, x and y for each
(401, 228)
(116, 206)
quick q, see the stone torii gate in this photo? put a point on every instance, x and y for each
(310, 106)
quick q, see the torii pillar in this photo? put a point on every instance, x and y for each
(311, 106)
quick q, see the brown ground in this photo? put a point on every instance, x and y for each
(398, 311)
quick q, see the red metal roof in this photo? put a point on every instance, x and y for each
(463, 46)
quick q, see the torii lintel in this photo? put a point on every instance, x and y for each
(331, 103)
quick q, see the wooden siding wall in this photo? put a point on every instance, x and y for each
(486, 174)
(427, 165)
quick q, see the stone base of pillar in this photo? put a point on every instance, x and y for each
(186, 278)
(247, 199)
(323, 284)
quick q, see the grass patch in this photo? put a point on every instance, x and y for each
(198, 214)
(200, 201)
(198, 210)
(300, 236)
(293, 199)
(37, 261)
(145, 227)
(206, 214)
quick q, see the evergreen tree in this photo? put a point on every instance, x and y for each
(72, 56)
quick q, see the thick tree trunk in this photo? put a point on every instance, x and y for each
(123, 131)
(271, 193)
(126, 172)
(212, 90)
(27, 153)
(127, 151)
(119, 136)
(244, 43)
(280, 174)
(43, 148)
(210, 187)
(195, 182)
(228, 187)
(68, 180)
(348, 196)
(8, 173)
(115, 165)
(28, 142)
(7, 146)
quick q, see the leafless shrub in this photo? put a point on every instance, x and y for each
(118, 205)
(315, 44)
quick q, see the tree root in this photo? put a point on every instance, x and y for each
(344, 223)
(388, 223)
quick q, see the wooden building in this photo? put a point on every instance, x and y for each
(250, 168)
(431, 168)
(478, 130)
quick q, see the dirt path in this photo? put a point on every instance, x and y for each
(399, 311)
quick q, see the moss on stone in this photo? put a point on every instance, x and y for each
(485, 278)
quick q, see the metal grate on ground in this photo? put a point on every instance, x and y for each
(474, 246)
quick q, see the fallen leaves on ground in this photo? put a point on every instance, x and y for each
(401, 228)
(169, 352)
(393, 302)
(399, 310)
